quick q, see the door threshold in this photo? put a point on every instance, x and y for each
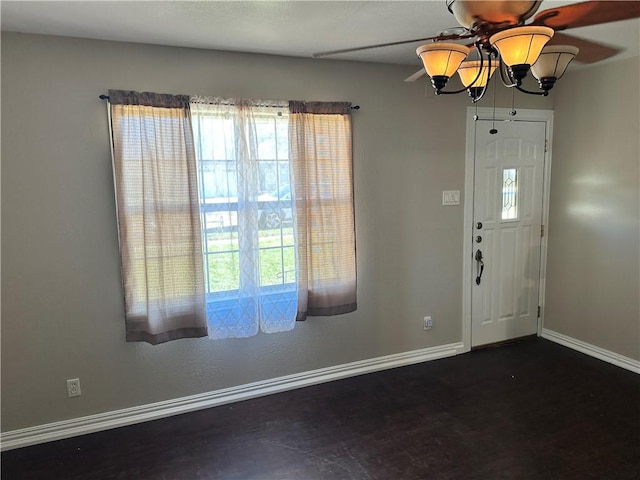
(505, 342)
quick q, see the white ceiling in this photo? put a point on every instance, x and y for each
(293, 28)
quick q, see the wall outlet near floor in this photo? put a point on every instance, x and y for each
(428, 323)
(73, 387)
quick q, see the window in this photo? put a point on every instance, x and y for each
(509, 194)
(218, 194)
(247, 217)
(234, 216)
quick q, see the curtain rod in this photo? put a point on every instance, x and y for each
(106, 97)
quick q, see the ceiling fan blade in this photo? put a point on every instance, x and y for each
(584, 14)
(391, 44)
(590, 52)
(415, 76)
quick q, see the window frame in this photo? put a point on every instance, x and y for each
(225, 299)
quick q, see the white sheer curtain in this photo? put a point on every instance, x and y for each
(232, 138)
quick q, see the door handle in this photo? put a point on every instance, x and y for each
(479, 265)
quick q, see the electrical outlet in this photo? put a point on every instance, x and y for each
(73, 387)
(428, 323)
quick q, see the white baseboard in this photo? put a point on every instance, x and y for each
(128, 416)
(597, 352)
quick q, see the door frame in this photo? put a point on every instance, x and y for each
(501, 115)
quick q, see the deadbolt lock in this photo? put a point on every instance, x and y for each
(479, 225)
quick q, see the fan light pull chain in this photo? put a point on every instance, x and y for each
(493, 131)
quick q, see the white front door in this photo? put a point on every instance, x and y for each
(507, 221)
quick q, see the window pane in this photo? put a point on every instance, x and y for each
(268, 176)
(289, 264)
(218, 179)
(282, 138)
(266, 132)
(287, 236)
(277, 266)
(284, 180)
(214, 222)
(225, 241)
(223, 271)
(509, 194)
(228, 186)
(212, 136)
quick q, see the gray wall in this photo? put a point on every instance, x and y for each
(62, 311)
(61, 295)
(593, 273)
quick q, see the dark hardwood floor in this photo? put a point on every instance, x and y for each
(529, 410)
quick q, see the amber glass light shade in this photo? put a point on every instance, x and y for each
(553, 61)
(521, 45)
(468, 72)
(442, 59)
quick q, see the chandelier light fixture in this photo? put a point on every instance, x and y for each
(512, 37)
(494, 35)
(513, 51)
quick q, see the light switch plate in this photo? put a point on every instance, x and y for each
(451, 197)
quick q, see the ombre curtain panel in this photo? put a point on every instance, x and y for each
(322, 164)
(155, 176)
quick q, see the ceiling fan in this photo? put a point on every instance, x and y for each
(496, 33)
